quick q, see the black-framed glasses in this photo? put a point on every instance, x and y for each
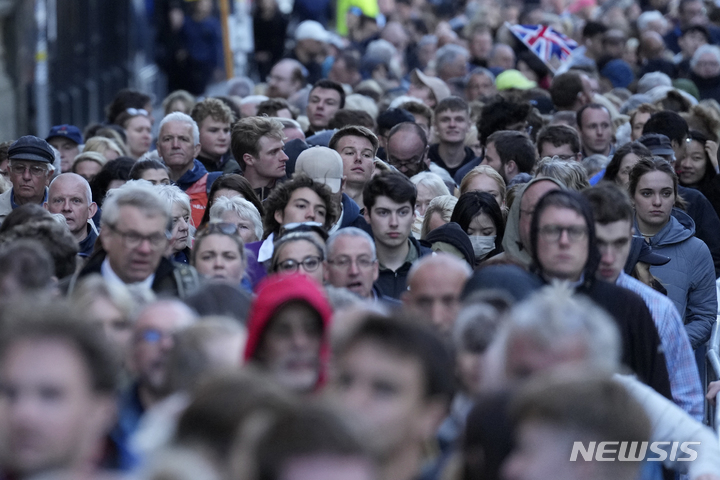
(552, 233)
(134, 239)
(344, 262)
(309, 264)
(35, 170)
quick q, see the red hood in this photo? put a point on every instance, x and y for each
(276, 290)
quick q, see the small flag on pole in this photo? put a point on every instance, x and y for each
(550, 46)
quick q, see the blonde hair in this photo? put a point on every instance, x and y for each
(443, 206)
(488, 171)
(101, 144)
(89, 157)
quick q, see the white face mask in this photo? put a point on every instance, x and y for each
(482, 245)
(417, 225)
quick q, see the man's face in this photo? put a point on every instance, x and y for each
(176, 145)
(352, 265)
(707, 66)
(50, 418)
(423, 93)
(530, 198)
(322, 105)
(271, 159)
(452, 126)
(638, 124)
(480, 45)
(29, 180)
(564, 152)
(692, 13)
(153, 339)
(135, 244)
(290, 348)
(492, 159)
(613, 241)
(434, 295)
(68, 196)
(304, 206)
(690, 42)
(358, 159)
(385, 391)
(562, 245)
(68, 151)
(280, 83)
(479, 86)
(596, 131)
(214, 138)
(542, 451)
(391, 222)
(406, 152)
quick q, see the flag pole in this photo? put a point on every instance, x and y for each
(227, 50)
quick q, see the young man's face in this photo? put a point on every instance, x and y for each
(304, 206)
(492, 159)
(322, 105)
(271, 159)
(214, 138)
(358, 159)
(614, 241)
(638, 124)
(562, 244)
(50, 418)
(385, 391)
(563, 152)
(452, 126)
(391, 222)
(68, 151)
(596, 131)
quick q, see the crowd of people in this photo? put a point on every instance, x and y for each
(413, 251)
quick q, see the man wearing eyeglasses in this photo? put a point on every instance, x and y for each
(559, 141)
(564, 247)
(30, 167)
(352, 263)
(134, 236)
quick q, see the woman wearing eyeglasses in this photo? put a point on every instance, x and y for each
(299, 252)
(689, 277)
(219, 253)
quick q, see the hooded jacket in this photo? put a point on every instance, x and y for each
(689, 276)
(394, 283)
(511, 241)
(194, 183)
(351, 216)
(641, 347)
(274, 292)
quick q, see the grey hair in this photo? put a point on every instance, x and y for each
(140, 194)
(289, 123)
(572, 174)
(653, 79)
(448, 53)
(253, 99)
(242, 207)
(431, 181)
(646, 17)
(150, 155)
(182, 118)
(702, 50)
(482, 71)
(554, 313)
(350, 232)
(88, 190)
(594, 163)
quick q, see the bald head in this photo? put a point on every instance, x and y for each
(435, 283)
(70, 195)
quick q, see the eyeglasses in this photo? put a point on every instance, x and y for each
(345, 262)
(309, 264)
(137, 111)
(134, 239)
(405, 163)
(552, 233)
(35, 170)
(564, 158)
(220, 227)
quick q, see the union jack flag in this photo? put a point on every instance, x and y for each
(544, 42)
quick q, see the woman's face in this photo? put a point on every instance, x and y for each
(156, 176)
(245, 227)
(87, 169)
(626, 164)
(424, 196)
(301, 251)
(482, 225)
(139, 136)
(691, 169)
(654, 199)
(181, 228)
(110, 154)
(218, 256)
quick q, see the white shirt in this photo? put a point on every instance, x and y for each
(111, 277)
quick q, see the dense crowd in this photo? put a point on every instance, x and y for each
(411, 249)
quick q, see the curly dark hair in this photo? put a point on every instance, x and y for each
(501, 114)
(280, 196)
